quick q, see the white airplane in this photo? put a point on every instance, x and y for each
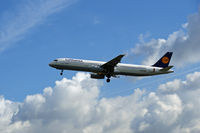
(113, 68)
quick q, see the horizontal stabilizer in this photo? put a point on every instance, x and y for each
(166, 68)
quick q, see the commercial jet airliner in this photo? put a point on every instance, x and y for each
(113, 68)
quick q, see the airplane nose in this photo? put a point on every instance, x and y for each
(51, 64)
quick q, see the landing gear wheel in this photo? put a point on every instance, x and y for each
(108, 80)
(61, 73)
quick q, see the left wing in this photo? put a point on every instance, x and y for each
(112, 63)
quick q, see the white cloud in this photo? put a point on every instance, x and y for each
(16, 23)
(73, 105)
(184, 43)
(7, 110)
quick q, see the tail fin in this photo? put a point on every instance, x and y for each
(164, 61)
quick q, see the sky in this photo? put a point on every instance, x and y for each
(35, 98)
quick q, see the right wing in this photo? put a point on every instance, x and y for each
(108, 68)
(112, 63)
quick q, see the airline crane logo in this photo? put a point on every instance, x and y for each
(165, 60)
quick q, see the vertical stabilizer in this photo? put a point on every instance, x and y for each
(164, 61)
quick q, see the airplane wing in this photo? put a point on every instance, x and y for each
(112, 63)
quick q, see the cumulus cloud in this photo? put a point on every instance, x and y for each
(73, 105)
(184, 43)
(16, 23)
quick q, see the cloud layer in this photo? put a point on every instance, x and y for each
(184, 43)
(16, 23)
(73, 106)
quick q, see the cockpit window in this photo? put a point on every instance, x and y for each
(55, 60)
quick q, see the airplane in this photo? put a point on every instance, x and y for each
(113, 68)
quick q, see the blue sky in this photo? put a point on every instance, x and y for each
(96, 30)
(34, 98)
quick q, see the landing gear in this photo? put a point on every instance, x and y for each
(61, 73)
(108, 80)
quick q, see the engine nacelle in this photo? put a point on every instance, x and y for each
(97, 76)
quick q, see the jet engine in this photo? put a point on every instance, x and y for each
(97, 76)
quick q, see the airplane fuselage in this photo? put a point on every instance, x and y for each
(95, 67)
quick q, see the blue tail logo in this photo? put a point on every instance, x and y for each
(164, 61)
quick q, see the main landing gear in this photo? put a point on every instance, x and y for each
(108, 78)
(61, 73)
